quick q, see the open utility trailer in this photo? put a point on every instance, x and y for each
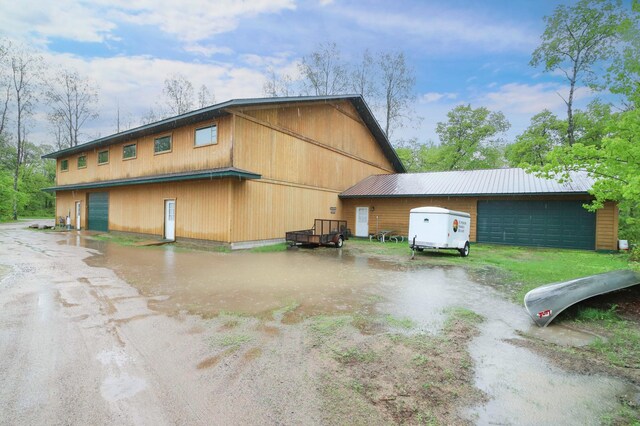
(324, 232)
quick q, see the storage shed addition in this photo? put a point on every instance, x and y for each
(507, 206)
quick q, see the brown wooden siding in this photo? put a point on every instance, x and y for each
(264, 210)
(316, 145)
(393, 213)
(202, 208)
(607, 227)
(333, 125)
(183, 157)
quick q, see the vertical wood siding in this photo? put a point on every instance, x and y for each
(264, 210)
(183, 157)
(607, 227)
(202, 208)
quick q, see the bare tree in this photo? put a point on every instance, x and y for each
(364, 78)
(398, 82)
(278, 85)
(323, 71)
(178, 92)
(73, 100)
(150, 117)
(205, 97)
(5, 84)
(26, 69)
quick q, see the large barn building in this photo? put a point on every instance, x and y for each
(244, 172)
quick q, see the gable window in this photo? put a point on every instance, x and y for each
(162, 144)
(82, 161)
(103, 157)
(129, 151)
(64, 165)
(207, 136)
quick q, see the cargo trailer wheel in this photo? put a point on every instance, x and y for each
(339, 242)
(464, 252)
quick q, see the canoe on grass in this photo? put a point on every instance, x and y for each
(546, 302)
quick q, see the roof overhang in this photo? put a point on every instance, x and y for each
(518, 194)
(228, 172)
(223, 108)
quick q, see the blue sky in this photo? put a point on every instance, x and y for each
(473, 52)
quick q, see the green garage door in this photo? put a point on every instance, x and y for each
(98, 211)
(536, 223)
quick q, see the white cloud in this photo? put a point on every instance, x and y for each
(435, 96)
(187, 20)
(67, 19)
(529, 98)
(136, 83)
(194, 20)
(206, 50)
(444, 29)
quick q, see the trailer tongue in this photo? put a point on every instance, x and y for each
(545, 303)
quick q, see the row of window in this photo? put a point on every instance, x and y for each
(163, 144)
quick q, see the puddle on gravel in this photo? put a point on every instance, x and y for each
(523, 387)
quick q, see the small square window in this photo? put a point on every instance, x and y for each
(162, 144)
(82, 161)
(207, 136)
(64, 165)
(129, 151)
(103, 157)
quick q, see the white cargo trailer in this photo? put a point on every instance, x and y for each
(438, 228)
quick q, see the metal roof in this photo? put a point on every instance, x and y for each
(218, 110)
(171, 177)
(466, 183)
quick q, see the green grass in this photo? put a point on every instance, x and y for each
(124, 240)
(405, 323)
(621, 347)
(325, 325)
(353, 355)
(231, 340)
(524, 267)
(270, 248)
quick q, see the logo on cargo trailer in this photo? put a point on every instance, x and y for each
(455, 225)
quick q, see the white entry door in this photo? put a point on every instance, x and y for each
(362, 221)
(78, 210)
(170, 220)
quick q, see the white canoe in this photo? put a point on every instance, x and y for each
(545, 303)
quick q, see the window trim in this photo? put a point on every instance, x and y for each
(85, 161)
(206, 126)
(61, 162)
(129, 158)
(108, 157)
(170, 136)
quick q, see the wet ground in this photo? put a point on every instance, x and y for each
(95, 332)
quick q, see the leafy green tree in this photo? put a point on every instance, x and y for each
(576, 39)
(614, 164)
(591, 124)
(534, 144)
(470, 139)
(419, 157)
(623, 74)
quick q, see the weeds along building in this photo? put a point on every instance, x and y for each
(244, 172)
(241, 173)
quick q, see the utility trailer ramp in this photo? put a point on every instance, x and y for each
(545, 303)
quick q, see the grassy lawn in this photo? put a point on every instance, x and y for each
(521, 268)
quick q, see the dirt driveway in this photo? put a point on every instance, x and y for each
(99, 333)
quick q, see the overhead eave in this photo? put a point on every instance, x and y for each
(173, 177)
(509, 194)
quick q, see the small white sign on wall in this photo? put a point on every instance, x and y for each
(333, 210)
